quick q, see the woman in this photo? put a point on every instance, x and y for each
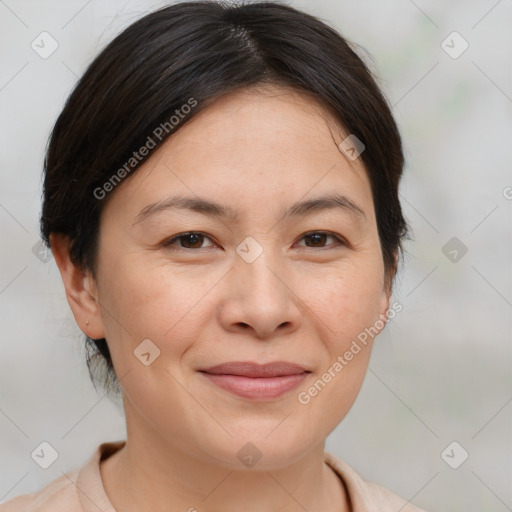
(221, 199)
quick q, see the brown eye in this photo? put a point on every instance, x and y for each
(318, 239)
(192, 240)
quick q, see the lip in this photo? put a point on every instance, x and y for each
(256, 381)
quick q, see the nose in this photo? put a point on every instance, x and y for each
(259, 298)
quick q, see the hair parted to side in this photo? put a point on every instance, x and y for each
(203, 50)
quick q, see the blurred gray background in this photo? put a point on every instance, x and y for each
(440, 372)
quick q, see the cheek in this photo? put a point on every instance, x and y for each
(347, 301)
(147, 304)
(142, 302)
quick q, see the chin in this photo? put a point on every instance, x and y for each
(258, 451)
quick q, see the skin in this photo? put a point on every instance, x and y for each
(302, 300)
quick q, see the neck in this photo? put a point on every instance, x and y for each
(149, 473)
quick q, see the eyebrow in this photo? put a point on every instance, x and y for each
(213, 209)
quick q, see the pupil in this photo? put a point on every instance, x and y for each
(315, 237)
(192, 238)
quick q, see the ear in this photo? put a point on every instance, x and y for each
(386, 292)
(390, 274)
(80, 286)
(385, 299)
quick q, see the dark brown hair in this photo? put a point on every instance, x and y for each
(203, 50)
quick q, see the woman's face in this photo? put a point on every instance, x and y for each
(267, 286)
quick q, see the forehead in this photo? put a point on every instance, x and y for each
(262, 112)
(266, 141)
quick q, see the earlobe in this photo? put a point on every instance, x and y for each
(80, 288)
(389, 275)
(385, 298)
(384, 304)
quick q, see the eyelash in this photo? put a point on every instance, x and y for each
(170, 242)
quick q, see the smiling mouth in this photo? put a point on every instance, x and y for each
(255, 381)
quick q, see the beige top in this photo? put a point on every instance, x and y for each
(82, 490)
